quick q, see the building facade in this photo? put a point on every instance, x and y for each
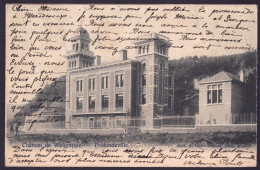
(108, 95)
(220, 98)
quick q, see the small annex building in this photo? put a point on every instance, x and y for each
(221, 98)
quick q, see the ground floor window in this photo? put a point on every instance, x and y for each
(91, 123)
(78, 124)
(214, 93)
(104, 122)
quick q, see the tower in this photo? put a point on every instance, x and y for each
(155, 94)
(78, 57)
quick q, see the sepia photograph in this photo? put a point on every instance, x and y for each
(131, 85)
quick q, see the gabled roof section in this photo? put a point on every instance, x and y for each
(220, 77)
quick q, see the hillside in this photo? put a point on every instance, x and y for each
(53, 99)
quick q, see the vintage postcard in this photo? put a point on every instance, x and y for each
(136, 85)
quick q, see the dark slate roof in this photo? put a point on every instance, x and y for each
(219, 77)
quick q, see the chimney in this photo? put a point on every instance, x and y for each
(123, 54)
(97, 60)
(242, 75)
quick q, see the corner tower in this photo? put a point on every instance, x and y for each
(80, 55)
(155, 84)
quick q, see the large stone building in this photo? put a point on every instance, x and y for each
(103, 95)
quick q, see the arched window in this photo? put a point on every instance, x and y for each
(161, 49)
(148, 49)
(161, 66)
(160, 82)
(82, 47)
(73, 47)
(143, 83)
(144, 49)
(139, 50)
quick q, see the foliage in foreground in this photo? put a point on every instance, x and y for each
(153, 139)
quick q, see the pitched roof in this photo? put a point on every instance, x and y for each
(219, 77)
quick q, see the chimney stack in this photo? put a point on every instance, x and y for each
(97, 60)
(242, 75)
(123, 54)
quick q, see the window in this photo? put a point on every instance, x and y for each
(79, 85)
(85, 63)
(78, 123)
(139, 50)
(169, 102)
(104, 83)
(77, 47)
(119, 121)
(144, 49)
(91, 123)
(214, 93)
(143, 98)
(91, 84)
(144, 80)
(220, 93)
(92, 103)
(144, 66)
(162, 49)
(170, 82)
(81, 47)
(120, 80)
(73, 64)
(105, 102)
(143, 83)
(119, 100)
(104, 122)
(79, 104)
(161, 84)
